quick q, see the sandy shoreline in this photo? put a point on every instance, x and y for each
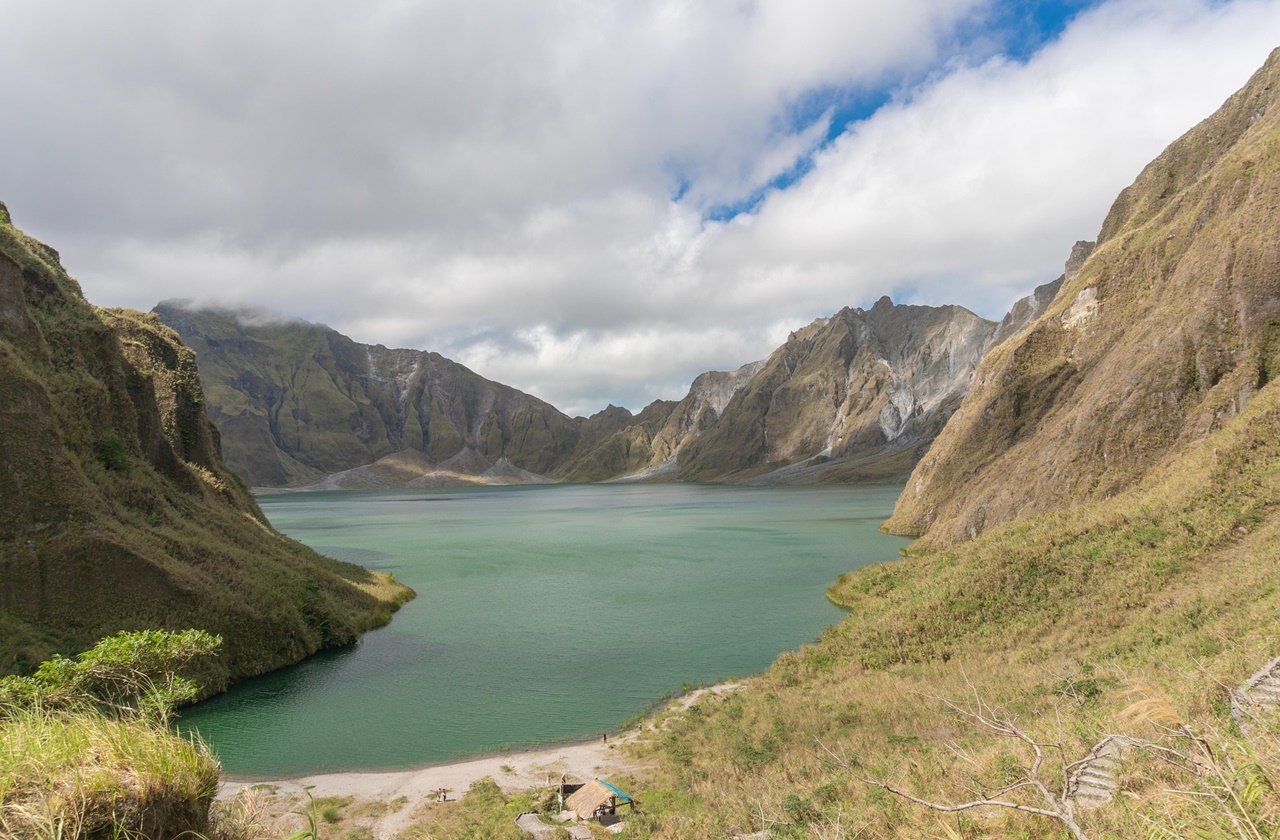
(406, 790)
(512, 771)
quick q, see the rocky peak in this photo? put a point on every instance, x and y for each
(715, 388)
(1027, 309)
(861, 384)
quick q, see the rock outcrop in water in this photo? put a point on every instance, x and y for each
(116, 509)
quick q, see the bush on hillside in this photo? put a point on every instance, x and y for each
(85, 749)
(144, 674)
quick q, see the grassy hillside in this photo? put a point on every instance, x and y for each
(1167, 593)
(116, 511)
(1167, 329)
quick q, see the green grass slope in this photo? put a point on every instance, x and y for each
(116, 511)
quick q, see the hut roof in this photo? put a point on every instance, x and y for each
(585, 800)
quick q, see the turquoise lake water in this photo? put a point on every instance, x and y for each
(543, 613)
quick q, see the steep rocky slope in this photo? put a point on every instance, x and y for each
(618, 445)
(1026, 310)
(1167, 330)
(855, 395)
(116, 510)
(298, 402)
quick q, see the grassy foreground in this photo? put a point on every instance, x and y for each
(84, 775)
(85, 747)
(1135, 615)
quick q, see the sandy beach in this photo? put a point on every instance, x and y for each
(512, 771)
(516, 770)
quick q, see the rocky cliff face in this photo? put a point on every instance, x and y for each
(299, 402)
(853, 396)
(1026, 310)
(116, 510)
(1168, 328)
(619, 446)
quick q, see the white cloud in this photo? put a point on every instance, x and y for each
(493, 179)
(972, 189)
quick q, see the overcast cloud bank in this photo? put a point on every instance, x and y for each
(531, 189)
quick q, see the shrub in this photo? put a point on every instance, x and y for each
(129, 674)
(85, 750)
(112, 454)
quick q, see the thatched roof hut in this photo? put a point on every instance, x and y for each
(595, 798)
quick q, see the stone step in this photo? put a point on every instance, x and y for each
(1091, 800)
(1095, 777)
(1090, 792)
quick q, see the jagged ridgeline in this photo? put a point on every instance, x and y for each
(854, 396)
(1166, 331)
(116, 510)
(858, 396)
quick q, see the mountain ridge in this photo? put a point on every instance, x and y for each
(1165, 331)
(303, 406)
(116, 510)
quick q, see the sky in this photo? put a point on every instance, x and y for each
(593, 200)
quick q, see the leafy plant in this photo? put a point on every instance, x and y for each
(112, 454)
(129, 674)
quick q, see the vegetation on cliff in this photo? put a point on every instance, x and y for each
(1163, 334)
(116, 510)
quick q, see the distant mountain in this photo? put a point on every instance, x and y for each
(116, 510)
(854, 397)
(1166, 331)
(648, 445)
(298, 403)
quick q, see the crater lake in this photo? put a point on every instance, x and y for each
(544, 613)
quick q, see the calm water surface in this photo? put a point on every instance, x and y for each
(543, 613)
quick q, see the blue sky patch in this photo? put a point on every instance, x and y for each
(1016, 30)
